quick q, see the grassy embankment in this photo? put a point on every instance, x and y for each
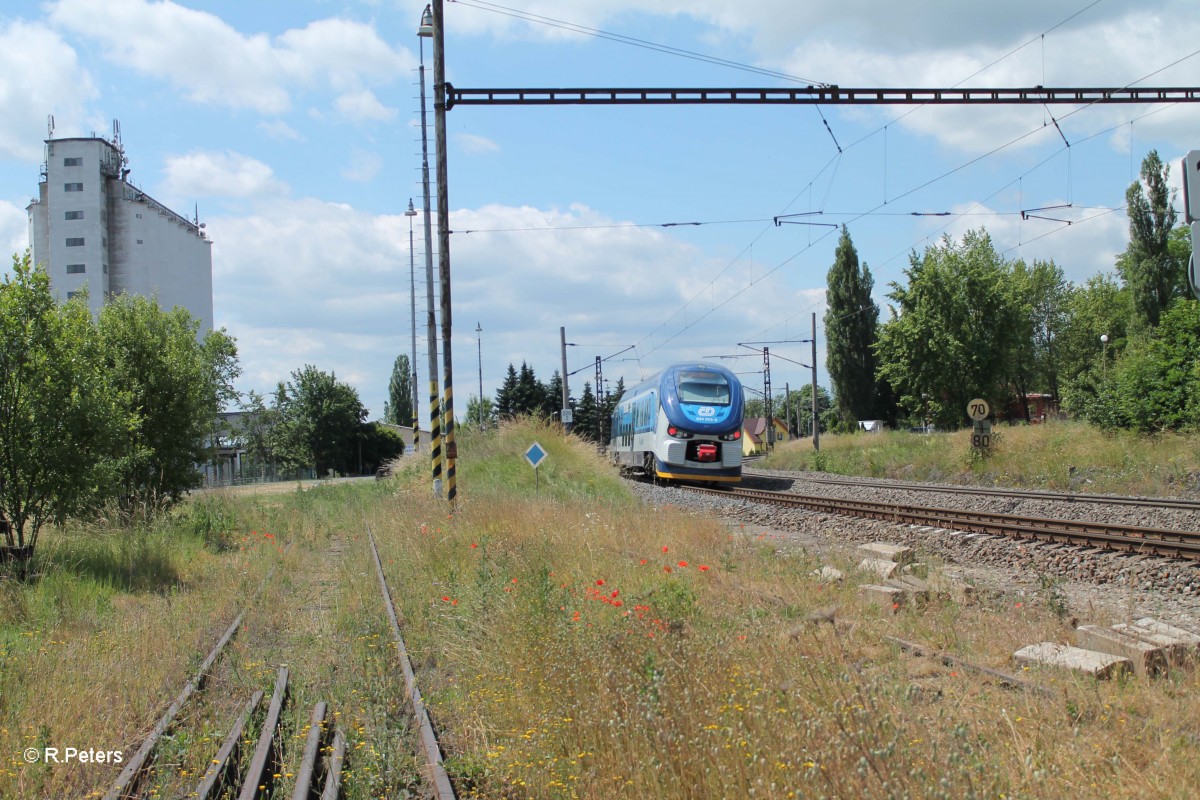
(571, 643)
(1033, 456)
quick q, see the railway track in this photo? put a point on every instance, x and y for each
(1107, 536)
(251, 757)
(1182, 503)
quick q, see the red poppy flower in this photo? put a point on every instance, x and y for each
(600, 582)
(683, 564)
(705, 567)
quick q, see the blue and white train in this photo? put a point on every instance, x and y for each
(681, 424)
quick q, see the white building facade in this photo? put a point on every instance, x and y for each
(92, 229)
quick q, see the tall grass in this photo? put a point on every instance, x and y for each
(1064, 456)
(571, 643)
(597, 649)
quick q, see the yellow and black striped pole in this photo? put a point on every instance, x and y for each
(435, 406)
(443, 211)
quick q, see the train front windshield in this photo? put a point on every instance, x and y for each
(702, 388)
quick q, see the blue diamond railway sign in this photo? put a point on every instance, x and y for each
(535, 455)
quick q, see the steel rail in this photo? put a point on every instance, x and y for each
(266, 740)
(333, 773)
(1109, 536)
(429, 740)
(1183, 503)
(308, 761)
(220, 762)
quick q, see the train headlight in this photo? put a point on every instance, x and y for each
(678, 433)
(731, 437)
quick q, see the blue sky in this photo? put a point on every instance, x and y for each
(294, 127)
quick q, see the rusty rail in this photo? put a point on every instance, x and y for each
(220, 762)
(308, 761)
(262, 752)
(429, 741)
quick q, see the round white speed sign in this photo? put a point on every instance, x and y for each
(978, 409)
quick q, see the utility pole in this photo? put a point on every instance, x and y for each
(770, 431)
(479, 345)
(566, 398)
(435, 402)
(412, 288)
(443, 211)
(787, 408)
(599, 402)
(816, 418)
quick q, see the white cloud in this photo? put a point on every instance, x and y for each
(39, 75)
(203, 173)
(363, 106)
(215, 64)
(940, 43)
(363, 166)
(14, 231)
(474, 144)
(326, 284)
(280, 131)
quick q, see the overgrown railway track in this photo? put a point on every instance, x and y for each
(250, 759)
(1109, 536)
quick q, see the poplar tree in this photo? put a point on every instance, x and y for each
(851, 321)
(1154, 274)
(399, 408)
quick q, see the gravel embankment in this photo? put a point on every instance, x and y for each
(1097, 586)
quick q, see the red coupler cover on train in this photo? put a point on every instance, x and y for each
(706, 452)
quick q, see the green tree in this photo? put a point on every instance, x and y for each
(1155, 386)
(1039, 296)
(58, 411)
(1150, 267)
(506, 397)
(320, 421)
(172, 387)
(530, 394)
(956, 324)
(552, 397)
(398, 409)
(851, 323)
(1100, 307)
(586, 414)
(378, 445)
(479, 412)
(256, 430)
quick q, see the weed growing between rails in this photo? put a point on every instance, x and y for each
(605, 650)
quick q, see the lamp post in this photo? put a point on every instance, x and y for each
(479, 347)
(435, 404)
(1103, 356)
(412, 288)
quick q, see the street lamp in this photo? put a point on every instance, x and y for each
(1104, 356)
(412, 288)
(435, 403)
(479, 347)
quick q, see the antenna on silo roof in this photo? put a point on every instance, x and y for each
(49, 126)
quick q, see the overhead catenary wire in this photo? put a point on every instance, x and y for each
(833, 161)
